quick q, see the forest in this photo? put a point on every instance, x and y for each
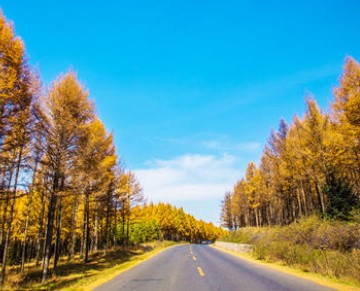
(64, 194)
(310, 167)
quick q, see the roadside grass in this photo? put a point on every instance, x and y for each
(75, 275)
(332, 282)
(325, 247)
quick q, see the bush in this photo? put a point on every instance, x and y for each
(146, 231)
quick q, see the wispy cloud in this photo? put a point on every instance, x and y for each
(189, 177)
(228, 146)
(220, 143)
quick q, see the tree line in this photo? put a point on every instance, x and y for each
(311, 166)
(164, 221)
(63, 193)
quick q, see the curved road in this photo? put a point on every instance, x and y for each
(198, 267)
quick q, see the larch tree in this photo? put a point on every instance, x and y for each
(18, 89)
(227, 219)
(95, 159)
(130, 194)
(346, 108)
(67, 110)
(311, 166)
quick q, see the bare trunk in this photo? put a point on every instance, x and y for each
(127, 231)
(304, 199)
(256, 217)
(6, 204)
(115, 224)
(40, 231)
(73, 227)
(320, 198)
(50, 227)
(58, 234)
(9, 222)
(107, 235)
(260, 217)
(293, 211)
(28, 218)
(268, 214)
(83, 232)
(299, 203)
(96, 231)
(107, 223)
(87, 228)
(123, 223)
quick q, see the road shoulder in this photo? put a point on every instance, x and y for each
(121, 268)
(316, 278)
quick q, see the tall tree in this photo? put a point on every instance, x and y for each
(129, 193)
(18, 88)
(346, 108)
(67, 110)
(227, 219)
(95, 159)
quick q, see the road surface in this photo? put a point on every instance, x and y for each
(201, 267)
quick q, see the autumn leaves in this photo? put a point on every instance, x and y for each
(63, 193)
(309, 167)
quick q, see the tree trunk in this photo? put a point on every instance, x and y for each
(304, 199)
(28, 218)
(58, 234)
(115, 224)
(49, 227)
(123, 223)
(107, 223)
(106, 234)
(40, 231)
(320, 198)
(96, 231)
(256, 217)
(127, 231)
(6, 204)
(73, 227)
(9, 222)
(299, 203)
(3, 194)
(83, 232)
(268, 214)
(87, 228)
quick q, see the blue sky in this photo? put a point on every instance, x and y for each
(191, 89)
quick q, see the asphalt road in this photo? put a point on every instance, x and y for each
(198, 267)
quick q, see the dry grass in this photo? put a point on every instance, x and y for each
(75, 275)
(329, 248)
(314, 277)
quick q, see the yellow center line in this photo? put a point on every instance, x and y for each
(194, 258)
(201, 272)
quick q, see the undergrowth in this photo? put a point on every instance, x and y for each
(327, 247)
